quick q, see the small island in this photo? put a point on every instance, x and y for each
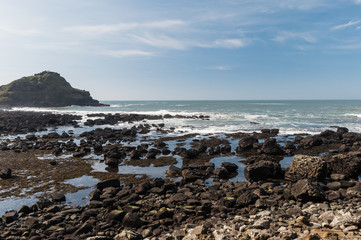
(45, 89)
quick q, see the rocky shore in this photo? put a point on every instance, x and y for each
(315, 196)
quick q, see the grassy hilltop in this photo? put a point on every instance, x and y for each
(45, 89)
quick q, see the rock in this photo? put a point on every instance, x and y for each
(334, 185)
(9, 217)
(354, 191)
(221, 173)
(246, 199)
(58, 197)
(343, 218)
(192, 175)
(306, 167)
(111, 162)
(311, 141)
(346, 164)
(45, 89)
(257, 234)
(89, 213)
(131, 220)
(174, 171)
(263, 170)
(261, 224)
(85, 228)
(341, 130)
(231, 167)
(108, 183)
(270, 146)
(247, 143)
(128, 235)
(43, 203)
(305, 190)
(116, 215)
(24, 209)
(142, 188)
(5, 173)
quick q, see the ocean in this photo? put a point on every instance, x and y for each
(290, 117)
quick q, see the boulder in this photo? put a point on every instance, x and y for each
(5, 173)
(221, 173)
(128, 235)
(108, 183)
(174, 171)
(192, 175)
(311, 141)
(306, 167)
(263, 170)
(346, 164)
(58, 197)
(231, 167)
(9, 217)
(246, 199)
(270, 146)
(305, 190)
(131, 220)
(247, 143)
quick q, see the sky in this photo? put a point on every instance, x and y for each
(186, 49)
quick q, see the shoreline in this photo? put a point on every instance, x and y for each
(136, 202)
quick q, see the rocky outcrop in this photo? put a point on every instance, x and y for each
(263, 170)
(347, 164)
(309, 167)
(45, 89)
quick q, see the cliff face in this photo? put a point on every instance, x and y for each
(45, 89)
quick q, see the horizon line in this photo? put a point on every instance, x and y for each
(203, 100)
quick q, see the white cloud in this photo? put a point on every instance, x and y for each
(286, 36)
(161, 41)
(222, 68)
(230, 43)
(349, 24)
(111, 28)
(128, 53)
(358, 1)
(18, 32)
(224, 43)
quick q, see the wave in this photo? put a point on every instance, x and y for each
(358, 115)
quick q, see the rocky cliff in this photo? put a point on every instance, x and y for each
(45, 89)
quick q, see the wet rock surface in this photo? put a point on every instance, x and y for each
(317, 196)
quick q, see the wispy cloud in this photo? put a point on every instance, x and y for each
(346, 25)
(161, 41)
(111, 28)
(358, 1)
(286, 36)
(128, 53)
(18, 32)
(222, 68)
(230, 43)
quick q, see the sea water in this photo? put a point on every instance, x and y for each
(290, 117)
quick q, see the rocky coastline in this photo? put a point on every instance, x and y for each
(317, 196)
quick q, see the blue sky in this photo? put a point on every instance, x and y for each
(191, 50)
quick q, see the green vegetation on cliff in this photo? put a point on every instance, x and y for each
(45, 89)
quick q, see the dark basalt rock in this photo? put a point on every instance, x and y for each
(346, 164)
(45, 89)
(263, 170)
(247, 143)
(310, 167)
(305, 190)
(270, 146)
(5, 173)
